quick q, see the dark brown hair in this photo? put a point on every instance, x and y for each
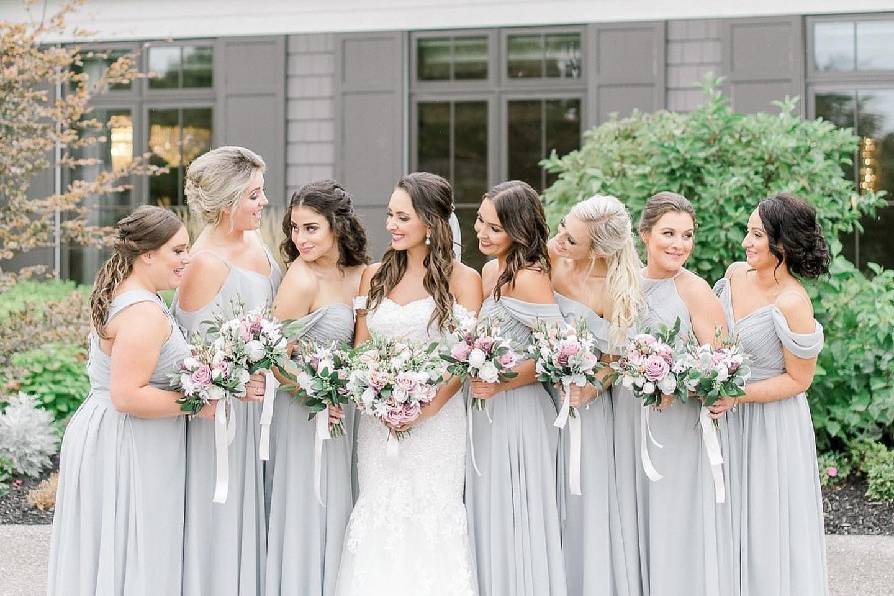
(147, 228)
(794, 235)
(432, 198)
(660, 204)
(521, 215)
(332, 201)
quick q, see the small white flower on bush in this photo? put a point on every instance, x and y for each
(27, 436)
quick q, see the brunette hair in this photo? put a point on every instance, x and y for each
(794, 235)
(660, 204)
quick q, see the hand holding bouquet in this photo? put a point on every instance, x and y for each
(210, 374)
(651, 366)
(321, 381)
(714, 373)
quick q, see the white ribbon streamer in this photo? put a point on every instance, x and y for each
(471, 434)
(715, 457)
(645, 437)
(270, 385)
(222, 440)
(574, 430)
(321, 420)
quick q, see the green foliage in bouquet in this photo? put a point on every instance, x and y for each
(725, 163)
(56, 375)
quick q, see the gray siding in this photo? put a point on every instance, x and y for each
(694, 48)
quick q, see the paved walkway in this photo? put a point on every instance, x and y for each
(858, 565)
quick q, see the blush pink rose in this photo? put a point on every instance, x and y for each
(656, 368)
(508, 360)
(202, 375)
(461, 351)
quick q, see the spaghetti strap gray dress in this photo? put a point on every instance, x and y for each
(305, 538)
(775, 499)
(512, 506)
(225, 545)
(118, 524)
(670, 536)
(591, 520)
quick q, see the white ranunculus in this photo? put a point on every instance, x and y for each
(304, 380)
(255, 350)
(489, 373)
(191, 363)
(477, 358)
(242, 376)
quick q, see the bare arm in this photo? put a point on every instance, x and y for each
(202, 280)
(705, 308)
(361, 331)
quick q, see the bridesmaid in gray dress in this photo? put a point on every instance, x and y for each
(775, 500)
(325, 247)
(118, 524)
(673, 520)
(224, 550)
(512, 506)
(595, 272)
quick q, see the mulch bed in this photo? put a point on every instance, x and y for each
(847, 509)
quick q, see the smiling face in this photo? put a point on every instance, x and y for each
(757, 244)
(312, 234)
(403, 223)
(166, 264)
(573, 240)
(250, 206)
(493, 240)
(669, 242)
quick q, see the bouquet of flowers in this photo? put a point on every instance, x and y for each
(651, 366)
(478, 350)
(211, 373)
(322, 378)
(713, 373)
(392, 379)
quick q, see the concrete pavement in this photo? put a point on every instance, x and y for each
(858, 565)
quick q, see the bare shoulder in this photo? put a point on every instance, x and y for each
(300, 277)
(203, 278)
(465, 284)
(795, 306)
(532, 285)
(736, 270)
(463, 274)
(693, 286)
(143, 320)
(367, 276)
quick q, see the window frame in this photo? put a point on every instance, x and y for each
(148, 93)
(507, 83)
(854, 76)
(451, 85)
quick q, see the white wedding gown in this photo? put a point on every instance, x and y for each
(408, 533)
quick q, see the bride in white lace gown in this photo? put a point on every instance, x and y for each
(408, 533)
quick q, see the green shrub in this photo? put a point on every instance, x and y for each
(5, 474)
(834, 467)
(33, 294)
(725, 163)
(876, 462)
(55, 375)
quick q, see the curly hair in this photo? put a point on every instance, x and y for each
(521, 215)
(794, 235)
(329, 199)
(147, 228)
(432, 198)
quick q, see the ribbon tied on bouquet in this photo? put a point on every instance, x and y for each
(573, 422)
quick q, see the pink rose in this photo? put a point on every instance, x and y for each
(461, 351)
(202, 375)
(656, 368)
(508, 360)
(400, 414)
(484, 343)
(405, 381)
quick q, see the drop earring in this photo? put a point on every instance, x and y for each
(428, 238)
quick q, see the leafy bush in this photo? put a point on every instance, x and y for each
(5, 474)
(725, 163)
(27, 436)
(55, 375)
(34, 294)
(876, 462)
(834, 467)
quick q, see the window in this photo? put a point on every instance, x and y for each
(452, 58)
(536, 128)
(176, 137)
(538, 56)
(94, 64)
(181, 67)
(851, 83)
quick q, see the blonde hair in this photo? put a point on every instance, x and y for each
(215, 180)
(147, 228)
(611, 238)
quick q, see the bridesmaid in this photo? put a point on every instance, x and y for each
(669, 526)
(595, 272)
(774, 488)
(224, 551)
(512, 506)
(325, 248)
(118, 525)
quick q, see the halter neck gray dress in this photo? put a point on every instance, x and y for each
(513, 506)
(224, 551)
(773, 482)
(591, 521)
(118, 524)
(305, 538)
(669, 527)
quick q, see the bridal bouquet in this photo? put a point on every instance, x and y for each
(651, 366)
(211, 373)
(322, 379)
(713, 373)
(392, 379)
(478, 350)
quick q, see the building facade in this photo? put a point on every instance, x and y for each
(478, 92)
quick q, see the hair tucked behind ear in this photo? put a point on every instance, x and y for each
(611, 238)
(432, 199)
(148, 228)
(521, 216)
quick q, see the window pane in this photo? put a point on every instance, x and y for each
(95, 64)
(433, 57)
(197, 66)
(875, 49)
(196, 134)
(471, 255)
(433, 153)
(563, 56)
(876, 240)
(833, 46)
(525, 141)
(164, 144)
(875, 124)
(469, 58)
(470, 151)
(164, 62)
(562, 129)
(525, 57)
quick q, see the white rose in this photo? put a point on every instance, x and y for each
(304, 380)
(255, 350)
(190, 363)
(668, 384)
(488, 373)
(242, 376)
(649, 388)
(627, 382)
(368, 396)
(476, 358)
(722, 373)
(216, 393)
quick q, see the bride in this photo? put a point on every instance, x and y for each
(408, 531)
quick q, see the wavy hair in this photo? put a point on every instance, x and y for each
(432, 198)
(147, 228)
(329, 199)
(611, 238)
(215, 180)
(794, 235)
(521, 215)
